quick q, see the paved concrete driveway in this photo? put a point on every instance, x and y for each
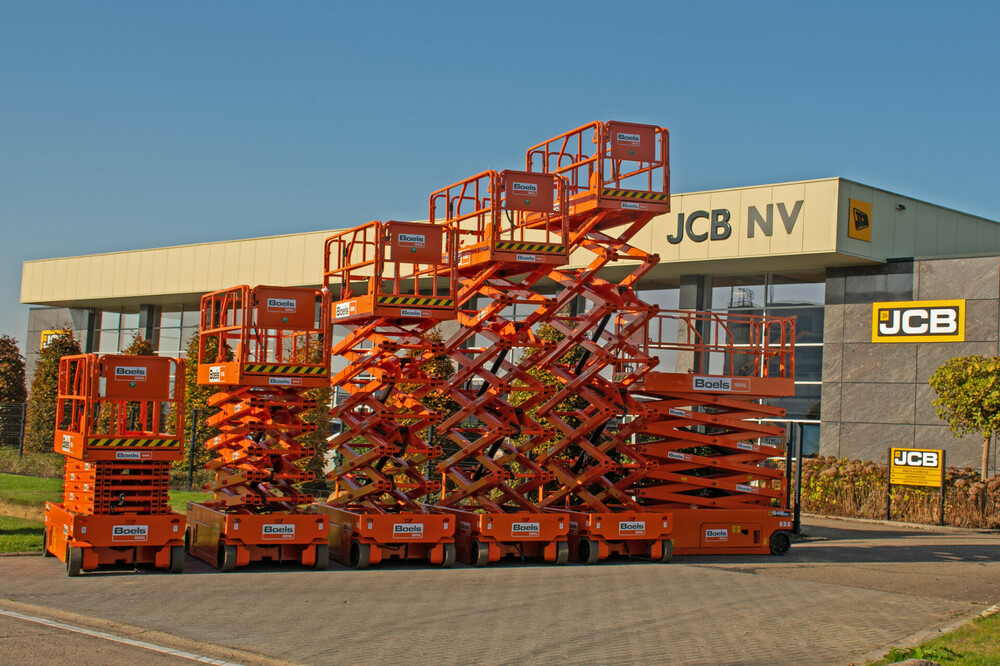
(828, 601)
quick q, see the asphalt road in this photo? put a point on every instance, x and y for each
(840, 599)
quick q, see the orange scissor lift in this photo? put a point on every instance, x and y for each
(512, 231)
(263, 348)
(392, 283)
(619, 179)
(701, 423)
(120, 423)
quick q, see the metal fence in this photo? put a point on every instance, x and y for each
(13, 416)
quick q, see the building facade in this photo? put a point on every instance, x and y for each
(823, 251)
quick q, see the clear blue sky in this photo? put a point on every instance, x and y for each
(128, 125)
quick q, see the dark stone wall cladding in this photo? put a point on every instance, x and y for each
(875, 395)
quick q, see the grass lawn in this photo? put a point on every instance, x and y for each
(22, 503)
(975, 644)
(29, 490)
(19, 535)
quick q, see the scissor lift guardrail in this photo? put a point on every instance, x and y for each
(120, 423)
(263, 348)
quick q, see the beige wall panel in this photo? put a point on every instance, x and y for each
(133, 267)
(927, 229)
(903, 242)
(782, 241)
(185, 269)
(299, 251)
(760, 244)
(213, 276)
(160, 273)
(145, 283)
(819, 216)
(861, 248)
(248, 255)
(883, 230)
(660, 227)
(120, 272)
(730, 200)
(231, 266)
(283, 270)
(946, 240)
(31, 275)
(71, 278)
(967, 236)
(202, 267)
(689, 250)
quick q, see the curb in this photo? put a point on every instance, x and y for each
(896, 523)
(916, 639)
(28, 553)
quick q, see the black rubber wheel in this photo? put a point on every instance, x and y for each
(45, 544)
(322, 557)
(176, 559)
(448, 558)
(667, 554)
(562, 553)
(479, 554)
(779, 543)
(74, 561)
(360, 555)
(587, 551)
(227, 557)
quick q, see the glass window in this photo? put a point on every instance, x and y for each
(107, 342)
(111, 319)
(170, 317)
(191, 316)
(186, 335)
(796, 289)
(738, 292)
(666, 299)
(809, 364)
(130, 318)
(170, 340)
(808, 322)
(126, 338)
(803, 405)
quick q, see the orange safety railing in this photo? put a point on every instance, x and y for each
(250, 335)
(724, 344)
(105, 403)
(613, 160)
(391, 268)
(514, 211)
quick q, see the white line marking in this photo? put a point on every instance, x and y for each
(118, 639)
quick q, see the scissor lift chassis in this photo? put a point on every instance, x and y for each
(361, 539)
(141, 539)
(229, 540)
(757, 531)
(482, 538)
(595, 536)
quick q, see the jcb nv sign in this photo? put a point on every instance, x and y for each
(919, 321)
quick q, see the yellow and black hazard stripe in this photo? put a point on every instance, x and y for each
(543, 248)
(416, 301)
(115, 442)
(285, 369)
(638, 196)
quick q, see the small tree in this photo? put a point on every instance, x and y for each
(968, 389)
(11, 371)
(41, 428)
(196, 398)
(139, 347)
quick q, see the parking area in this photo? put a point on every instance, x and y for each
(842, 597)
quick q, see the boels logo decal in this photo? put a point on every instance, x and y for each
(725, 384)
(919, 321)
